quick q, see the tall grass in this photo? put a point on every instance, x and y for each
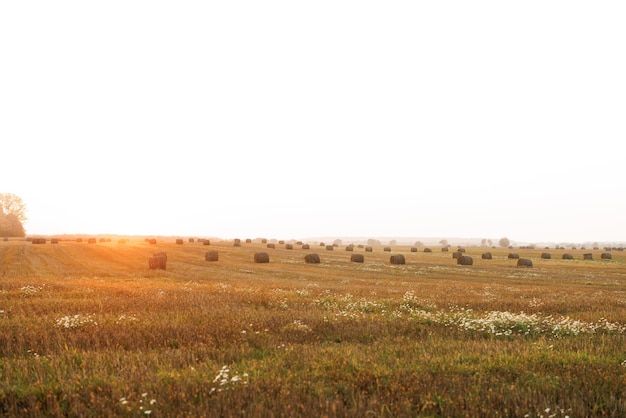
(89, 330)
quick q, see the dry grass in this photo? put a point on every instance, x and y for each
(89, 330)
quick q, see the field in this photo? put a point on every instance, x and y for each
(89, 330)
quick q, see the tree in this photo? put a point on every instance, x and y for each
(12, 214)
(483, 242)
(10, 226)
(12, 204)
(444, 242)
(504, 242)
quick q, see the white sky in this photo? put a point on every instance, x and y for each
(287, 119)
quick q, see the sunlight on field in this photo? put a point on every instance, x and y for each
(90, 329)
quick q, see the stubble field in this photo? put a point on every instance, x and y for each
(89, 330)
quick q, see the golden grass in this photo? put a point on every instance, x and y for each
(89, 330)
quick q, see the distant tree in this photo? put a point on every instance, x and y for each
(490, 242)
(504, 242)
(12, 214)
(373, 241)
(393, 242)
(419, 244)
(483, 242)
(444, 242)
(10, 226)
(337, 241)
(12, 204)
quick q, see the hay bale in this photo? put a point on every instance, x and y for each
(524, 262)
(264, 241)
(305, 246)
(179, 241)
(329, 248)
(456, 255)
(91, 241)
(211, 256)
(588, 256)
(261, 257)
(298, 242)
(461, 250)
(368, 249)
(428, 250)
(289, 246)
(444, 249)
(546, 256)
(322, 244)
(388, 249)
(397, 259)
(151, 241)
(5, 239)
(487, 256)
(606, 256)
(312, 258)
(567, 256)
(270, 245)
(191, 240)
(54, 240)
(122, 241)
(158, 261)
(104, 240)
(513, 256)
(38, 241)
(237, 241)
(349, 248)
(357, 258)
(465, 260)
(79, 240)
(413, 249)
(206, 242)
(281, 242)
(237, 244)
(248, 241)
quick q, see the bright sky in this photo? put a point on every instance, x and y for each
(287, 119)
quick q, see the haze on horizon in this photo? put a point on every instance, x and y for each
(277, 119)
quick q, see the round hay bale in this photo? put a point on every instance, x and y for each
(357, 258)
(237, 244)
(329, 248)
(104, 240)
(487, 256)
(248, 241)
(413, 249)
(54, 240)
(349, 248)
(388, 249)
(465, 260)
(397, 259)
(546, 256)
(270, 245)
(122, 241)
(79, 240)
(289, 246)
(606, 256)
(567, 256)
(91, 241)
(524, 262)
(179, 241)
(298, 242)
(461, 250)
(281, 242)
(261, 257)
(428, 250)
(158, 261)
(369, 249)
(312, 258)
(322, 244)
(456, 255)
(513, 256)
(305, 246)
(151, 241)
(444, 249)
(191, 240)
(211, 256)
(264, 241)
(5, 239)
(206, 242)
(588, 256)
(237, 241)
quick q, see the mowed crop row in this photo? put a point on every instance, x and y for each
(89, 329)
